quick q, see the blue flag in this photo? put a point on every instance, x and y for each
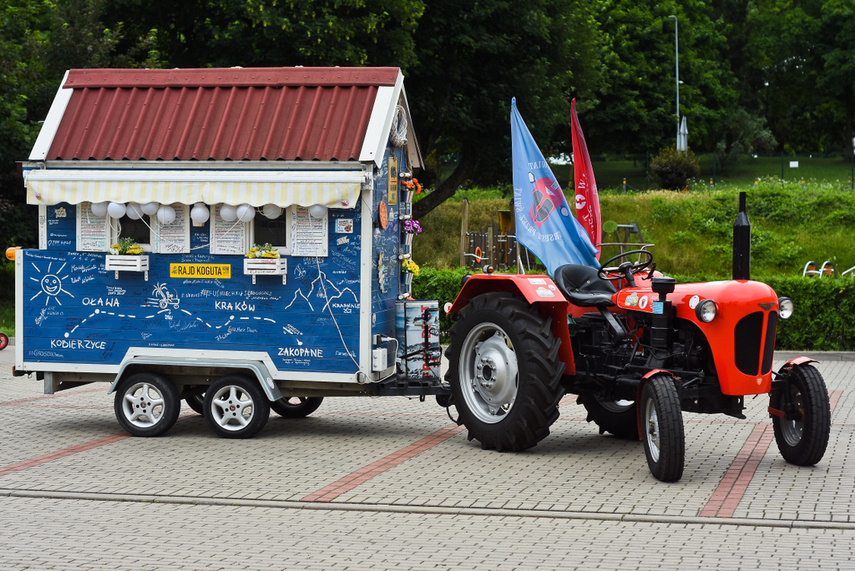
(545, 224)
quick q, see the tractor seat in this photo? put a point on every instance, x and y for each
(581, 286)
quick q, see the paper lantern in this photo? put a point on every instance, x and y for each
(317, 211)
(271, 211)
(99, 209)
(199, 214)
(245, 213)
(228, 213)
(116, 210)
(166, 215)
(134, 211)
(150, 208)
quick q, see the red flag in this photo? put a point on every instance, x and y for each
(587, 199)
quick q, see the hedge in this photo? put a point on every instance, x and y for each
(823, 319)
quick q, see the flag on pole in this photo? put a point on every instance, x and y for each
(544, 222)
(587, 199)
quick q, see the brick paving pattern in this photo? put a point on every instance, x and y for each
(382, 483)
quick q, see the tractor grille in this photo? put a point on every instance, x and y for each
(748, 341)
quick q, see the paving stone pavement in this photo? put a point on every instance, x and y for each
(383, 483)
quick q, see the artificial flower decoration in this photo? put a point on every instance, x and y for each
(126, 247)
(262, 251)
(412, 226)
(410, 267)
(413, 185)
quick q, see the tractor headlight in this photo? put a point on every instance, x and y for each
(706, 310)
(785, 307)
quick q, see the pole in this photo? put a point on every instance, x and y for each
(677, 73)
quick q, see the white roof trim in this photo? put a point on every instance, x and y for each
(51, 123)
(377, 133)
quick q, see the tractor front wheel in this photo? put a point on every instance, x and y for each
(504, 372)
(662, 428)
(802, 434)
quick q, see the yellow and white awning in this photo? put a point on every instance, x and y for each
(333, 189)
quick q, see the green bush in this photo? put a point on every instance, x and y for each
(672, 169)
(822, 320)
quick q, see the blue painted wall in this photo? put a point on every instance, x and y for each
(76, 312)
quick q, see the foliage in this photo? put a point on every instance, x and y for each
(474, 57)
(673, 169)
(265, 250)
(823, 313)
(443, 286)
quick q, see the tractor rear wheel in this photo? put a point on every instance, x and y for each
(504, 372)
(618, 417)
(802, 435)
(662, 428)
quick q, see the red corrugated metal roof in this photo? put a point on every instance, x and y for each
(299, 113)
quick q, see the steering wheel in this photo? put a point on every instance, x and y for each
(626, 269)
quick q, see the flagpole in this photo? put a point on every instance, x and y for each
(677, 74)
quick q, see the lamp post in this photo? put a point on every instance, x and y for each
(677, 73)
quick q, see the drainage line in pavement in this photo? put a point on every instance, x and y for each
(429, 510)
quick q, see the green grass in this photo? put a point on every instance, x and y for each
(7, 317)
(811, 168)
(693, 231)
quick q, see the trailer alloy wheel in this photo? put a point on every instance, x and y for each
(236, 407)
(662, 428)
(146, 404)
(618, 417)
(802, 436)
(504, 372)
(296, 407)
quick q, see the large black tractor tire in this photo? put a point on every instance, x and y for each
(802, 436)
(617, 417)
(504, 372)
(662, 428)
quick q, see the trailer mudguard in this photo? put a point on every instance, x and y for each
(256, 367)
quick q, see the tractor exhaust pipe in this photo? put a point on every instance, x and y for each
(742, 243)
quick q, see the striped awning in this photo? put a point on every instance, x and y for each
(334, 189)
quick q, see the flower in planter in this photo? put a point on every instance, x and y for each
(410, 267)
(262, 251)
(126, 247)
(412, 226)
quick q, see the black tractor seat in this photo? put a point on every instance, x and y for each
(581, 286)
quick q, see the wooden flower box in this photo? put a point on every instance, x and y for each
(265, 267)
(120, 263)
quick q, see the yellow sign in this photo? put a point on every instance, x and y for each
(393, 180)
(204, 271)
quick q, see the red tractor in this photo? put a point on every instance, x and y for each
(637, 348)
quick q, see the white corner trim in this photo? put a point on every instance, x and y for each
(377, 133)
(51, 123)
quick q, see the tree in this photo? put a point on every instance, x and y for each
(473, 58)
(636, 107)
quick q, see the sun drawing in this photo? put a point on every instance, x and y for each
(51, 284)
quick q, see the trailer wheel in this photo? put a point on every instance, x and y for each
(618, 417)
(296, 407)
(236, 407)
(196, 403)
(662, 425)
(802, 435)
(4, 340)
(146, 404)
(504, 372)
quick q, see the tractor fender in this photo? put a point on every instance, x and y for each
(797, 361)
(638, 411)
(537, 290)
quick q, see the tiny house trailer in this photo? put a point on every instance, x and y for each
(229, 237)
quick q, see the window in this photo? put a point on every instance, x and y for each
(137, 230)
(271, 231)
